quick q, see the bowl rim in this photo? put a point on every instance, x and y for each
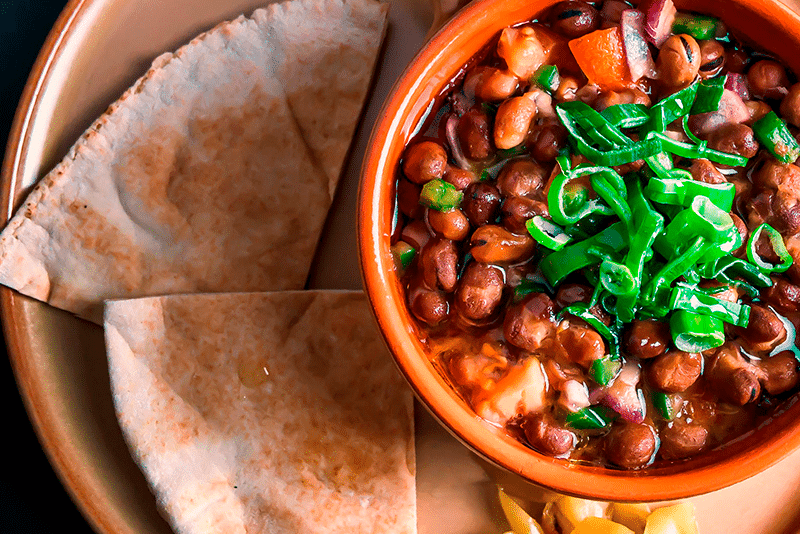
(713, 471)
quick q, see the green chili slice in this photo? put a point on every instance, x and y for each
(547, 78)
(693, 332)
(590, 418)
(583, 311)
(440, 195)
(686, 150)
(778, 246)
(568, 208)
(701, 27)
(709, 95)
(772, 132)
(403, 254)
(546, 233)
(662, 402)
(604, 370)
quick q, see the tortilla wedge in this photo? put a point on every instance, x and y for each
(264, 412)
(214, 172)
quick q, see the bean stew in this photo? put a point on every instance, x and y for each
(598, 233)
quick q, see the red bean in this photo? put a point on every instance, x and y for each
(631, 445)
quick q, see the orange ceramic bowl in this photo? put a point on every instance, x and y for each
(769, 24)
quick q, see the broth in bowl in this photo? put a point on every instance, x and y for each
(597, 232)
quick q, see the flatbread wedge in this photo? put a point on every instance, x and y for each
(264, 412)
(214, 172)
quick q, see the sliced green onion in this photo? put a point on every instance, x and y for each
(683, 192)
(546, 233)
(773, 133)
(692, 332)
(568, 209)
(403, 254)
(686, 150)
(440, 195)
(590, 418)
(778, 246)
(594, 124)
(701, 27)
(626, 115)
(727, 268)
(691, 300)
(670, 108)
(547, 78)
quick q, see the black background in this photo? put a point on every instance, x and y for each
(32, 498)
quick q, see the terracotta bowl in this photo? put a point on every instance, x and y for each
(768, 23)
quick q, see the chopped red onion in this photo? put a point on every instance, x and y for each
(624, 397)
(660, 16)
(637, 51)
(451, 132)
(737, 83)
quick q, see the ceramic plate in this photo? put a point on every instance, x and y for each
(97, 49)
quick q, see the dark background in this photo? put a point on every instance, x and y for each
(32, 498)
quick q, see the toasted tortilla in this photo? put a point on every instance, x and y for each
(264, 412)
(214, 172)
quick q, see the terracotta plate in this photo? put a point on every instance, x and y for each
(97, 49)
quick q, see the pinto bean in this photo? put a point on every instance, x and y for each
(783, 295)
(546, 436)
(459, 178)
(494, 85)
(574, 18)
(424, 161)
(529, 322)
(768, 79)
(675, 370)
(765, 330)
(779, 373)
(583, 345)
(521, 178)
(474, 134)
(567, 89)
(773, 174)
(438, 263)
(790, 105)
(479, 291)
(547, 141)
(494, 244)
(481, 203)
(522, 51)
(704, 171)
(571, 293)
(630, 445)
(757, 110)
(680, 439)
(452, 224)
(416, 234)
(513, 119)
(517, 210)
(712, 58)
(428, 305)
(741, 227)
(734, 139)
(626, 96)
(678, 60)
(733, 379)
(408, 198)
(647, 338)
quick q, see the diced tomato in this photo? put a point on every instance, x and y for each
(601, 57)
